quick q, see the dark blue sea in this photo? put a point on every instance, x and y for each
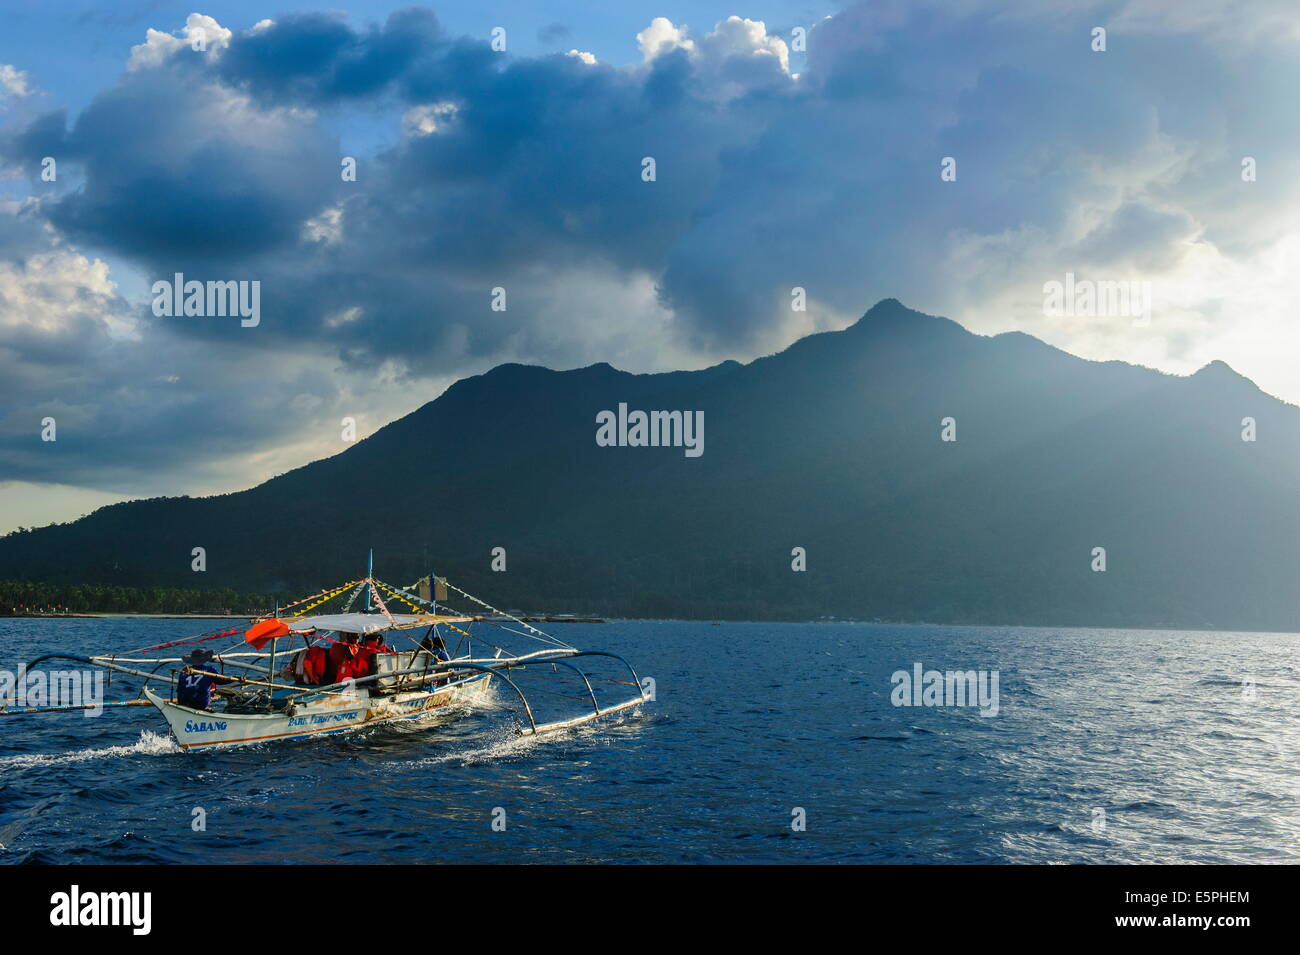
(1108, 747)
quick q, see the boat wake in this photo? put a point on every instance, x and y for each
(502, 742)
(502, 745)
(149, 744)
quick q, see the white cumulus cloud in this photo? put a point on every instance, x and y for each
(736, 36)
(13, 83)
(662, 37)
(158, 47)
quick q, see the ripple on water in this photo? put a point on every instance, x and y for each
(1151, 727)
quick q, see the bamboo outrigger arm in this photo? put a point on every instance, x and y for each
(104, 662)
(561, 657)
(498, 667)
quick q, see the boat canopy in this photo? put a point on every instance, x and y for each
(370, 622)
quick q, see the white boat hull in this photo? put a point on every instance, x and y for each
(338, 713)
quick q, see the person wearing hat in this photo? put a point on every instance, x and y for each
(197, 681)
(437, 648)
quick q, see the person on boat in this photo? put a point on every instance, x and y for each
(437, 646)
(195, 685)
(437, 649)
(363, 664)
(312, 666)
(339, 658)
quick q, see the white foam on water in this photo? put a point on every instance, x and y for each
(496, 744)
(505, 743)
(149, 744)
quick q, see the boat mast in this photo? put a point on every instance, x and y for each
(370, 575)
(270, 696)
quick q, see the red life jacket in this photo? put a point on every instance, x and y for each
(365, 659)
(314, 662)
(353, 668)
(340, 654)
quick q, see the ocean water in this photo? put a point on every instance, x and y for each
(1109, 747)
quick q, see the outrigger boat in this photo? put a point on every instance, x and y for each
(263, 697)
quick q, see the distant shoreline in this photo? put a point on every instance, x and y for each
(540, 618)
(158, 616)
(701, 622)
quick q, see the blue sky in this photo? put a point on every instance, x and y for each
(776, 168)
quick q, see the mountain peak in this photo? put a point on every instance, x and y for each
(1216, 368)
(892, 315)
(1221, 373)
(889, 309)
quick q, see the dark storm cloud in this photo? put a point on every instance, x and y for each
(536, 167)
(317, 58)
(177, 168)
(132, 413)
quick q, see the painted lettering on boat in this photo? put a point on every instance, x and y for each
(203, 726)
(316, 719)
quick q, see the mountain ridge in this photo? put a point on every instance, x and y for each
(833, 444)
